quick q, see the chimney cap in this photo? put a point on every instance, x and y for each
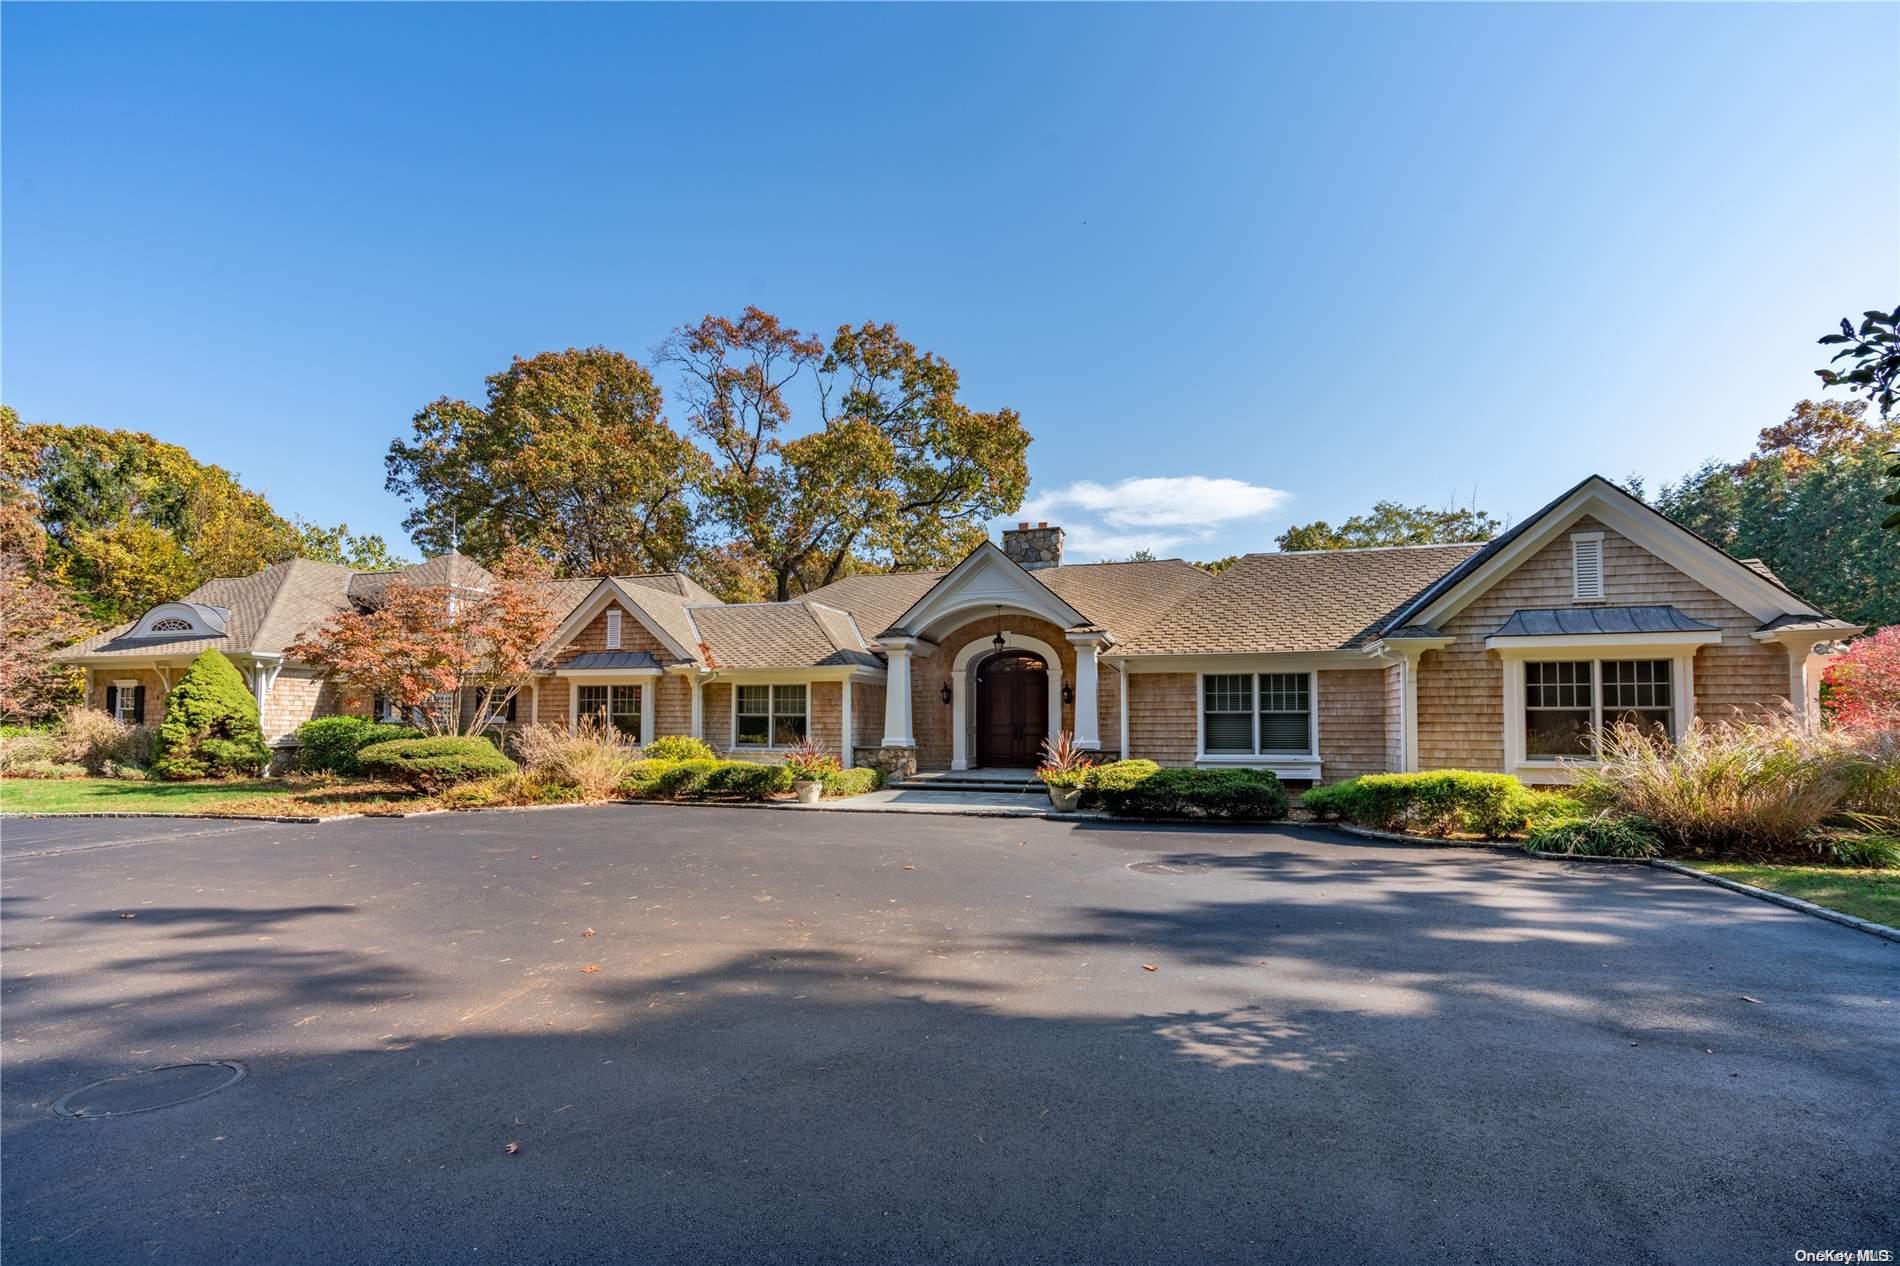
(1023, 526)
(1043, 524)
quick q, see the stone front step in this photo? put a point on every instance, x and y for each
(951, 783)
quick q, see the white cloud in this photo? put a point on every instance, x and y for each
(1192, 504)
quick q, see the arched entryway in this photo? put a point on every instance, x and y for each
(1012, 708)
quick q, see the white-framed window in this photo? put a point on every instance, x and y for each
(618, 706)
(127, 702)
(768, 716)
(1567, 703)
(1257, 714)
(613, 629)
(1586, 567)
(171, 624)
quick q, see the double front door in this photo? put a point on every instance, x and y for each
(1012, 709)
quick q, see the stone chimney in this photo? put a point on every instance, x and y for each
(1032, 547)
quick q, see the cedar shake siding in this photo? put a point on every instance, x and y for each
(1393, 688)
(154, 688)
(867, 714)
(634, 636)
(672, 705)
(1352, 729)
(1461, 688)
(716, 700)
(1161, 717)
(931, 716)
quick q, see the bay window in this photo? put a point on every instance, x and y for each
(768, 716)
(1257, 714)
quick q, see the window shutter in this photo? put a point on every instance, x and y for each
(138, 705)
(1586, 560)
(112, 700)
(613, 629)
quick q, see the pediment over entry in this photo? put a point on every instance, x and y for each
(984, 581)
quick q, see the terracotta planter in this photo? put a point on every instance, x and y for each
(1064, 799)
(809, 790)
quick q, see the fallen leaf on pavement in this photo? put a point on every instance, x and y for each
(591, 968)
(127, 914)
(588, 932)
(534, 857)
(1757, 1001)
(1149, 967)
(910, 868)
(512, 1148)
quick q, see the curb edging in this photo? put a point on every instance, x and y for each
(1782, 899)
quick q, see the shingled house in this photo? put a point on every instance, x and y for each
(1506, 656)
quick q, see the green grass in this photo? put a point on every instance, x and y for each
(260, 797)
(1865, 894)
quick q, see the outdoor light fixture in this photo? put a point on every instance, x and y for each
(1068, 693)
(944, 694)
(999, 641)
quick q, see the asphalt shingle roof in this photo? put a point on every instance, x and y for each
(796, 634)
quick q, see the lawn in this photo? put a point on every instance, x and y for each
(1865, 894)
(264, 797)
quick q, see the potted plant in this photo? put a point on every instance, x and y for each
(1064, 771)
(810, 765)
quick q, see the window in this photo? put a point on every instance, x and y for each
(613, 629)
(618, 706)
(507, 714)
(1586, 566)
(125, 700)
(1567, 703)
(768, 716)
(171, 624)
(1279, 723)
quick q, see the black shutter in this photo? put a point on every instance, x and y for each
(112, 701)
(138, 705)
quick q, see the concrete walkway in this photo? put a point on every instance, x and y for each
(985, 804)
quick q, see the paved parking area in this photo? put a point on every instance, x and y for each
(853, 1037)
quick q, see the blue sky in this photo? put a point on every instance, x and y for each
(1323, 255)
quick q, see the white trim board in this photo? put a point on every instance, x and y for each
(987, 580)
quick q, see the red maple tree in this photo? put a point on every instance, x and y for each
(1863, 682)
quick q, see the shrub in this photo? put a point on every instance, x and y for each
(593, 760)
(679, 747)
(1250, 794)
(1873, 781)
(1119, 775)
(429, 764)
(28, 748)
(89, 737)
(1599, 836)
(853, 782)
(1437, 802)
(1874, 852)
(1731, 786)
(705, 779)
(210, 725)
(46, 769)
(328, 745)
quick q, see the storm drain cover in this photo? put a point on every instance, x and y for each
(1167, 868)
(144, 1091)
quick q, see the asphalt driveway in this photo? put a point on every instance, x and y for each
(845, 1037)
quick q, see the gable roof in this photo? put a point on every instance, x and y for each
(1320, 600)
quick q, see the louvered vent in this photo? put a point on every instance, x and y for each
(1586, 560)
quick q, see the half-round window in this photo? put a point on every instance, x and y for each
(172, 625)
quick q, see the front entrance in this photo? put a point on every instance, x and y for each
(1012, 708)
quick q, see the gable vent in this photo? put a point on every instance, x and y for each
(613, 629)
(1586, 563)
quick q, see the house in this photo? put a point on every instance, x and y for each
(1506, 656)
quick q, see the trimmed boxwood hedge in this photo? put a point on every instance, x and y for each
(705, 780)
(429, 764)
(852, 782)
(329, 745)
(679, 747)
(1226, 794)
(1436, 802)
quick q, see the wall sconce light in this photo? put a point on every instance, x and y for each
(1068, 693)
(944, 694)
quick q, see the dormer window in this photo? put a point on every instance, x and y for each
(182, 619)
(171, 624)
(1586, 567)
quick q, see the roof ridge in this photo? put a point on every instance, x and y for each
(1364, 549)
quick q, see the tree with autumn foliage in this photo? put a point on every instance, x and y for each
(1861, 689)
(569, 457)
(424, 647)
(36, 619)
(1389, 523)
(899, 473)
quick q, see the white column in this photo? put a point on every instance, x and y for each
(1088, 721)
(959, 718)
(897, 693)
(1121, 681)
(573, 707)
(699, 707)
(844, 713)
(648, 689)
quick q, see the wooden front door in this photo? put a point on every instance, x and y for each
(1012, 709)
